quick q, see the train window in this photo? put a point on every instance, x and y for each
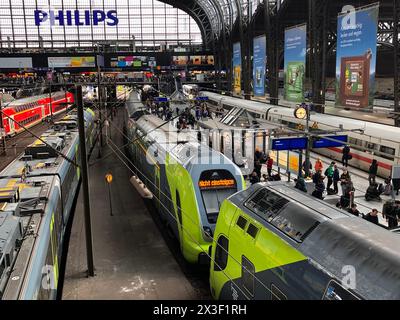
(248, 272)
(277, 294)
(241, 222)
(221, 254)
(252, 230)
(2, 267)
(215, 186)
(295, 221)
(266, 204)
(389, 151)
(335, 291)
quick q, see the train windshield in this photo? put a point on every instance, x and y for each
(215, 186)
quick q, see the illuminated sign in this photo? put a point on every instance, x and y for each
(222, 183)
(76, 18)
(289, 144)
(340, 141)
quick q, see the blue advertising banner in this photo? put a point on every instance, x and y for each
(295, 62)
(356, 57)
(237, 68)
(259, 62)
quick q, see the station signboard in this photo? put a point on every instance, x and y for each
(289, 144)
(340, 141)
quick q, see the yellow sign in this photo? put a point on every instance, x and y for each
(109, 177)
(315, 125)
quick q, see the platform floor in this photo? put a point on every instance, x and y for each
(133, 258)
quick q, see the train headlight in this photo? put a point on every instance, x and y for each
(208, 232)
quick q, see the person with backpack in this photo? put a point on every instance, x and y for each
(319, 189)
(329, 174)
(373, 170)
(346, 156)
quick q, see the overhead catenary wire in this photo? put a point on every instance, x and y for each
(118, 150)
(40, 139)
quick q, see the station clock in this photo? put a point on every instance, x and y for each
(300, 112)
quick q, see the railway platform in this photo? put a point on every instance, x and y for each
(133, 258)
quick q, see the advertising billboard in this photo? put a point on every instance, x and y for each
(295, 62)
(356, 57)
(129, 61)
(202, 60)
(17, 62)
(180, 60)
(71, 62)
(237, 68)
(259, 62)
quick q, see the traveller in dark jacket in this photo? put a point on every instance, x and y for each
(254, 178)
(372, 216)
(346, 156)
(353, 210)
(336, 178)
(300, 183)
(373, 170)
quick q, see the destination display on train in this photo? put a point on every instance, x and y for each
(221, 183)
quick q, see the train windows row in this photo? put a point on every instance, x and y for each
(26, 106)
(369, 147)
(29, 120)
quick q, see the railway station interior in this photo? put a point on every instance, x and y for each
(199, 150)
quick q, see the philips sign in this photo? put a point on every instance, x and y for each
(75, 17)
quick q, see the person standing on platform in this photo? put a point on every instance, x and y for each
(270, 163)
(373, 170)
(391, 211)
(318, 165)
(329, 174)
(304, 168)
(372, 217)
(346, 156)
(257, 163)
(344, 180)
(336, 178)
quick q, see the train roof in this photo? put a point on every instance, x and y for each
(183, 145)
(370, 128)
(334, 239)
(32, 99)
(26, 188)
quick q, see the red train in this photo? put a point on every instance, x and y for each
(32, 110)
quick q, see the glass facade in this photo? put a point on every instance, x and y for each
(35, 23)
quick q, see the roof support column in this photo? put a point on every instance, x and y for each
(396, 44)
(272, 41)
(317, 26)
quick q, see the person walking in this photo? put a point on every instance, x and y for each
(373, 170)
(336, 178)
(346, 156)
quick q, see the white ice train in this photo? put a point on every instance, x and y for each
(373, 141)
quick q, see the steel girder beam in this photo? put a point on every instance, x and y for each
(396, 44)
(272, 36)
(318, 10)
(198, 13)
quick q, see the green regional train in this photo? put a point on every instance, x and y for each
(273, 241)
(189, 180)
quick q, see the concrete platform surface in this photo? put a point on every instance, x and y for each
(131, 257)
